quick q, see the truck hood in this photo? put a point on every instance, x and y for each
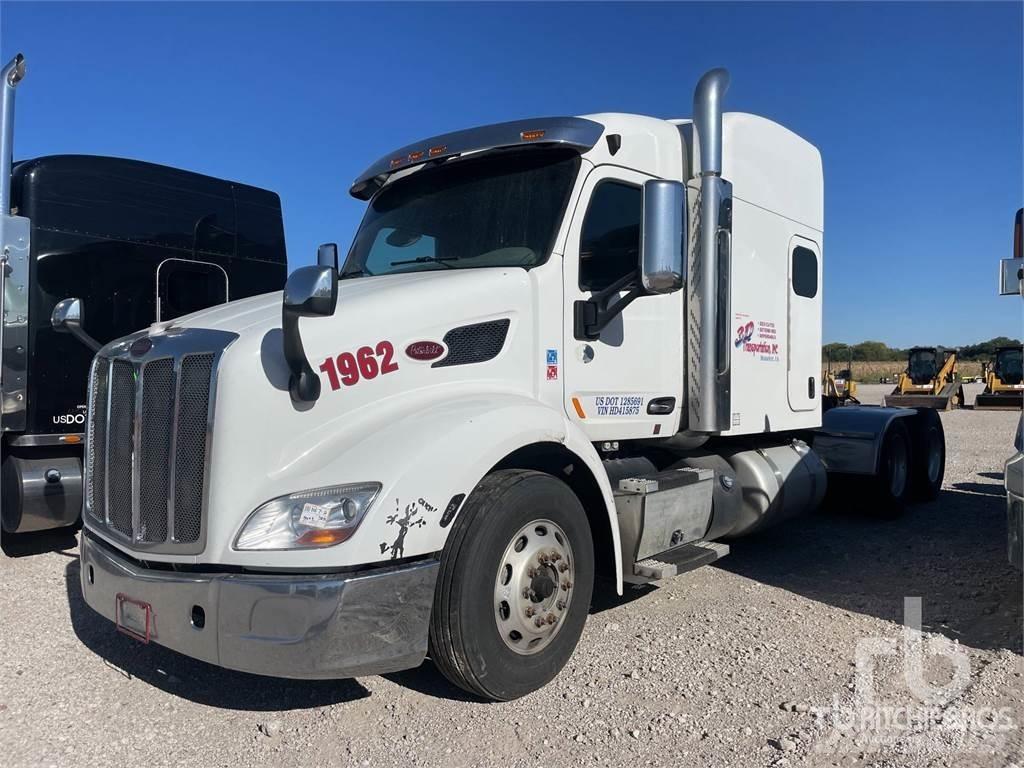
(374, 380)
(353, 294)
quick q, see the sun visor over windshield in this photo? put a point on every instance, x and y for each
(574, 132)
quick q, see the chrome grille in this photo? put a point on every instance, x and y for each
(97, 434)
(147, 442)
(121, 427)
(190, 456)
(155, 451)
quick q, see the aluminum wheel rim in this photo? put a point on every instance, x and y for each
(898, 467)
(533, 587)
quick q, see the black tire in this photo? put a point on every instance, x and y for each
(928, 465)
(890, 488)
(465, 642)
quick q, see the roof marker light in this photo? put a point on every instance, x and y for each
(531, 135)
(414, 156)
(395, 162)
(435, 151)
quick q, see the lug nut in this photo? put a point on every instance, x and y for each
(556, 557)
(552, 618)
(560, 605)
(538, 622)
(531, 572)
(526, 593)
(566, 585)
(530, 611)
(563, 567)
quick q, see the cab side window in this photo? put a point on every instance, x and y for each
(805, 272)
(610, 241)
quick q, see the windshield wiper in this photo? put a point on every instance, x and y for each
(424, 259)
(354, 273)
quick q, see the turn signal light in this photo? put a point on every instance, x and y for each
(323, 538)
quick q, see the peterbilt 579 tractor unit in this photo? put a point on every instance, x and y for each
(557, 348)
(132, 242)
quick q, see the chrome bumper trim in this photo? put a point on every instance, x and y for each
(297, 626)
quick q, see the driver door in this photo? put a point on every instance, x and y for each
(628, 383)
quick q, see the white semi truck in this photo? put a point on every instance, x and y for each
(557, 348)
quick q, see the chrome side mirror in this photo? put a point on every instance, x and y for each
(67, 318)
(663, 239)
(309, 292)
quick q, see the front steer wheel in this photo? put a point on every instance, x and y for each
(514, 586)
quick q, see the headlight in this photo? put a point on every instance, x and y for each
(320, 517)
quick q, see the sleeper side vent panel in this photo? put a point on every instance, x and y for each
(475, 343)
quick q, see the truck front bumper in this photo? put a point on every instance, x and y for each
(316, 626)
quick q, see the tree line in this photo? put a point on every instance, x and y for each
(879, 350)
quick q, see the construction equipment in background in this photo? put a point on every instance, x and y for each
(838, 388)
(1004, 381)
(930, 380)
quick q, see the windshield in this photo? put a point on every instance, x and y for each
(498, 210)
(922, 367)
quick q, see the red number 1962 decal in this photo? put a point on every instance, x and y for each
(367, 363)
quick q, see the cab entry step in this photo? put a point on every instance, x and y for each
(679, 560)
(663, 518)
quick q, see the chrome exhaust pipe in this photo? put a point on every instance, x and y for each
(707, 119)
(11, 75)
(708, 315)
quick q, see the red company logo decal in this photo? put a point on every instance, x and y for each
(766, 345)
(424, 350)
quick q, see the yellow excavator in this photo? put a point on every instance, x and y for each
(838, 388)
(1004, 381)
(930, 381)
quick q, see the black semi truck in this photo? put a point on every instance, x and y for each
(93, 248)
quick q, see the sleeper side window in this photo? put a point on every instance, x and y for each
(610, 241)
(805, 272)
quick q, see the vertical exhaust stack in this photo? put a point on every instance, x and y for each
(11, 75)
(15, 235)
(708, 294)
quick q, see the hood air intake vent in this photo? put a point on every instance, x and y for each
(475, 343)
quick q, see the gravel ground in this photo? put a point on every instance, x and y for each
(747, 663)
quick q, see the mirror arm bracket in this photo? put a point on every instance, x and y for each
(303, 381)
(85, 338)
(593, 315)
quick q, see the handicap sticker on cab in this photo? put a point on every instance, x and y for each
(552, 357)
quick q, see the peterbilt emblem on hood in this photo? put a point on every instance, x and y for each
(424, 350)
(141, 346)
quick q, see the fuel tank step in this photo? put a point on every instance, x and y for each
(677, 561)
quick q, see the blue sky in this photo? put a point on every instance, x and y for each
(917, 109)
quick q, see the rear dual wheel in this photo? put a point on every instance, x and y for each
(890, 487)
(514, 586)
(929, 456)
(912, 463)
